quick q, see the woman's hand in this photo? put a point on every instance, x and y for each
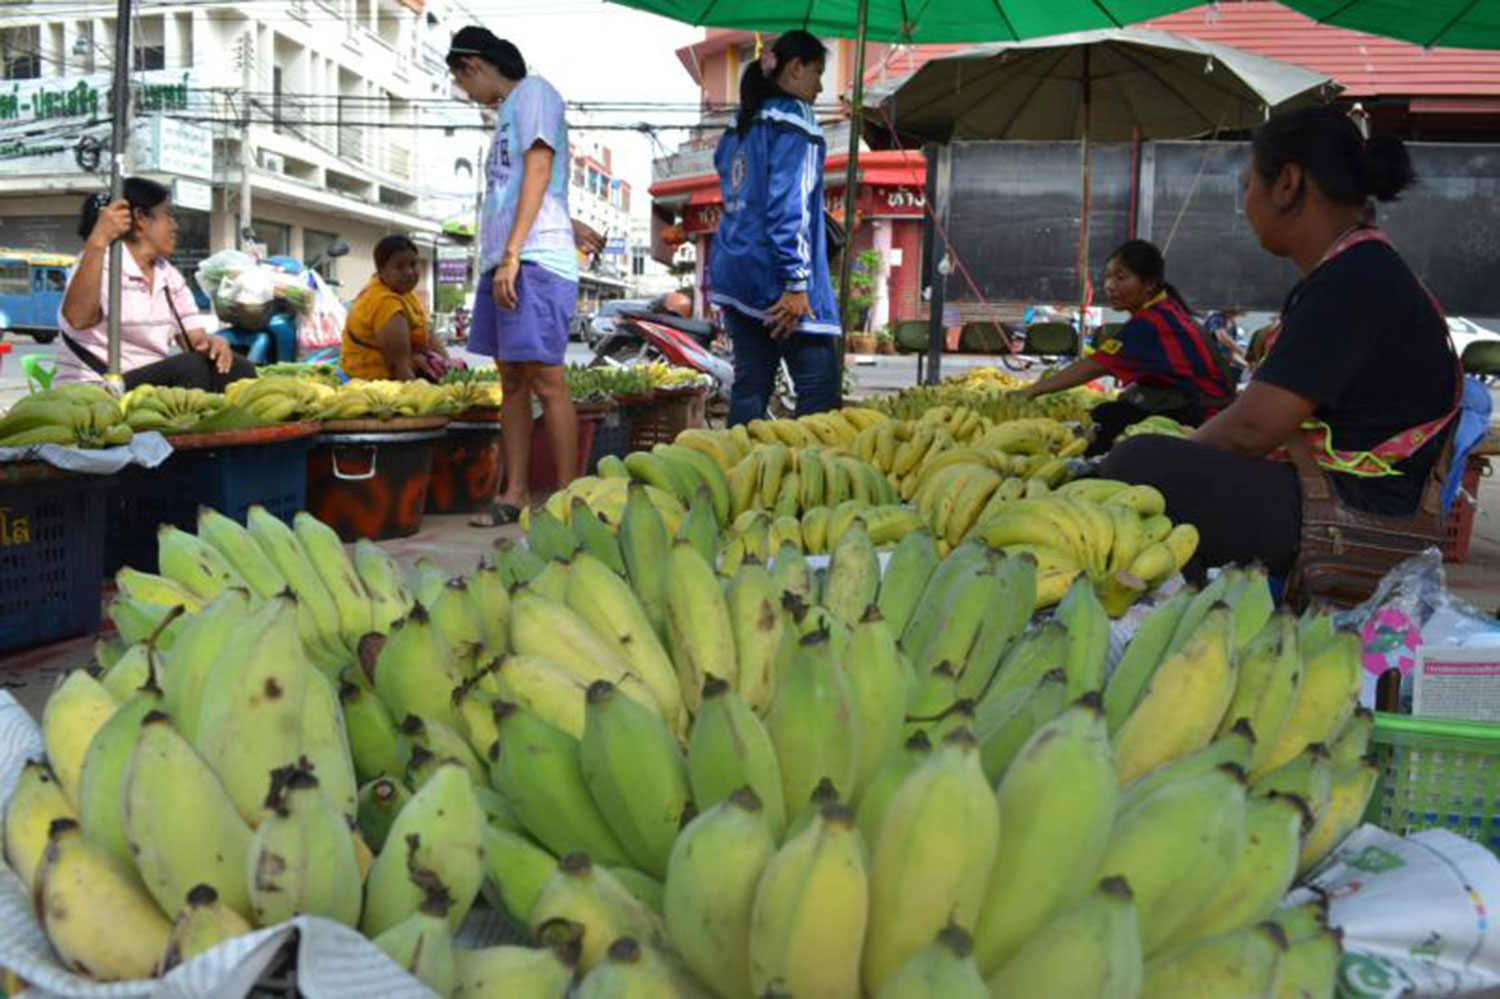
(114, 221)
(216, 348)
(782, 317)
(504, 286)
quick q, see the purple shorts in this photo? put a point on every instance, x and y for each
(536, 329)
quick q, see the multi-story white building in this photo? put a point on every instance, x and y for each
(601, 200)
(339, 96)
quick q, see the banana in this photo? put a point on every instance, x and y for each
(538, 769)
(1127, 540)
(636, 774)
(1182, 542)
(96, 915)
(1004, 723)
(548, 535)
(376, 746)
(853, 576)
(516, 869)
(186, 666)
(235, 543)
(881, 686)
(416, 672)
(1331, 679)
(1154, 529)
(712, 874)
(1234, 747)
(730, 748)
(774, 461)
(876, 799)
(609, 605)
(380, 801)
(74, 713)
(445, 817)
(807, 924)
(789, 499)
(157, 590)
(942, 585)
(325, 744)
(812, 723)
(422, 943)
(932, 857)
(1262, 873)
(553, 693)
(491, 606)
(105, 766)
(435, 742)
(699, 632)
(302, 859)
(944, 967)
(954, 633)
(1142, 656)
(553, 631)
(595, 537)
(1243, 963)
(1310, 966)
(37, 801)
(1176, 846)
(1063, 776)
(1091, 949)
(815, 529)
(968, 502)
(744, 485)
(1146, 501)
(281, 546)
(1035, 654)
(812, 479)
(202, 924)
(1088, 638)
(1180, 710)
(758, 626)
(1352, 787)
(708, 472)
(250, 718)
(634, 970)
(586, 894)
(1353, 743)
(1269, 677)
(542, 973)
(325, 552)
(176, 849)
(194, 564)
(911, 565)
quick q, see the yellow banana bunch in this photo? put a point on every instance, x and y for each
(385, 400)
(168, 409)
(472, 393)
(279, 398)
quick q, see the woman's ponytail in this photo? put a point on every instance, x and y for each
(761, 77)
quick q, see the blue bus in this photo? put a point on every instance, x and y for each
(31, 292)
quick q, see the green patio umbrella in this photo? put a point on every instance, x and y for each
(1459, 24)
(907, 22)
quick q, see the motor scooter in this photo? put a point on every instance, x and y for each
(638, 335)
(267, 333)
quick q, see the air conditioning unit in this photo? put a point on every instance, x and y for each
(273, 162)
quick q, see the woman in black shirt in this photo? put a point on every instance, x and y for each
(1362, 366)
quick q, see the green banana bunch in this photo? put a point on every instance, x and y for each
(1176, 847)
(712, 875)
(302, 858)
(881, 685)
(700, 634)
(1270, 675)
(813, 723)
(538, 769)
(325, 552)
(853, 576)
(445, 817)
(807, 924)
(240, 549)
(390, 599)
(321, 625)
(416, 672)
(1325, 701)
(1242, 963)
(636, 774)
(194, 563)
(1063, 777)
(932, 857)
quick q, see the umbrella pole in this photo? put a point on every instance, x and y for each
(851, 176)
(1083, 222)
(119, 132)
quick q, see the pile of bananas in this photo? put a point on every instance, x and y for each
(1164, 425)
(996, 405)
(849, 745)
(1114, 535)
(169, 410)
(470, 394)
(661, 375)
(386, 400)
(987, 377)
(279, 398)
(327, 374)
(84, 416)
(600, 384)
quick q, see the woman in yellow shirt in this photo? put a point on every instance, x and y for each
(387, 335)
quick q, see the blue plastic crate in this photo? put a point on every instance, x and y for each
(51, 557)
(611, 437)
(230, 480)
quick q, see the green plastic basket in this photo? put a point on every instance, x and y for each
(1437, 774)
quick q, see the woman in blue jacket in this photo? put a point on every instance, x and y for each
(769, 272)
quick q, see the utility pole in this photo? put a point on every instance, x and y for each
(246, 230)
(119, 135)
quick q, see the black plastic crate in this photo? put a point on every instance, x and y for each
(51, 555)
(230, 480)
(611, 437)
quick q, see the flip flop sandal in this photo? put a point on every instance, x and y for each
(496, 515)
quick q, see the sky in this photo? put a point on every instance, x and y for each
(595, 51)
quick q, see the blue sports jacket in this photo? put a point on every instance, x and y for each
(771, 236)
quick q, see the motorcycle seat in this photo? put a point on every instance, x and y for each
(700, 328)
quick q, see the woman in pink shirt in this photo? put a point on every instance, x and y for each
(163, 339)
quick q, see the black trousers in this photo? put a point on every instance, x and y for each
(1246, 509)
(1111, 419)
(189, 370)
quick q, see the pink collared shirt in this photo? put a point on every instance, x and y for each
(148, 329)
